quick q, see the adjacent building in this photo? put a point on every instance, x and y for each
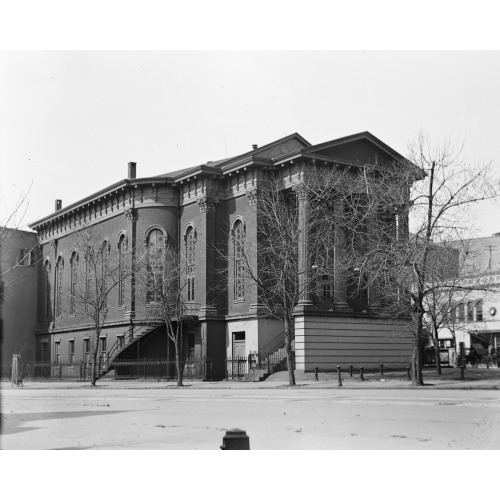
(19, 270)
(474, 316)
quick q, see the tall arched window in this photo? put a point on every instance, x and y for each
(155, 243)
(479, 310)
(74, 282)
(47, 307)
(59, 286)
(105, 271)
(121, 271)
(238, 242)
(190, 262)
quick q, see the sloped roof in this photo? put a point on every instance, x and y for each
(356, 138)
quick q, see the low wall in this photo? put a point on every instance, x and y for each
(328, 341)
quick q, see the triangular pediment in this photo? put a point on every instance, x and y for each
(363, 148)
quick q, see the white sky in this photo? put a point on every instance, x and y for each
(71, 120)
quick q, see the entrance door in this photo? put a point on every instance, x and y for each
(239, 345)
(238, 368)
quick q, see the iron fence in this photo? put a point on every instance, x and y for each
(158, 368)
(38, 369)
(238, 368)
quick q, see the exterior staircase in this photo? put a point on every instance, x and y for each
(271, 358)
(125, 345)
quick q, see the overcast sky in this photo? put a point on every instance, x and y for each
(70, 121)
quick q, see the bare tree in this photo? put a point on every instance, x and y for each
(164, 286)
(97, 272)
(280, 262)
(417, 209)
(9, 224)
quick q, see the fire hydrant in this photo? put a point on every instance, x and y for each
(235, 439)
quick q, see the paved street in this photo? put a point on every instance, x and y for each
(157, 415)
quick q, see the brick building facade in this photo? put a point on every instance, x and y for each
(196, 209)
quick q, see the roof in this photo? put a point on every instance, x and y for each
(485, 252)
(355, 138)
(283, 149)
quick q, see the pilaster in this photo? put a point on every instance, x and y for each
(206, 277)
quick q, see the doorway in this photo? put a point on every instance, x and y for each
(239, 345)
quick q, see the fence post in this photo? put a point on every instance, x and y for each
(361, 370)
(408, 371)
(350, 370)
(316, 370)
(461, 353)
(462, 374)
(382, 369)
(339, 376)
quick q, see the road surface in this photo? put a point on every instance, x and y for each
(113, 416)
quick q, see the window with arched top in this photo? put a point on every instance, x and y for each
(479, 310)
(74, 282)
(238, 242)
(155, 244)
(121, 271)
(190, 262)
(105, 271)
(59, 286)
(47, 307)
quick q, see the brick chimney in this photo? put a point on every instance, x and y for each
(58, 205)
(132, 167)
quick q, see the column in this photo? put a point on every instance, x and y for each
(304, 264)
(340, 282)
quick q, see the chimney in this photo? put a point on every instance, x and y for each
(58, 205)
(254, 146)
(132, 169)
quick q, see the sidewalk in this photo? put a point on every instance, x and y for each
(475, 379)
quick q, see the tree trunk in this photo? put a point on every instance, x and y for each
(289, 353)
(178, 363)
(436, 351)
(416, 365)
(94, 377)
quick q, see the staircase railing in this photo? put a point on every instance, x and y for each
(274, 344)
(272, 356)
(106, 362)
(124, 341)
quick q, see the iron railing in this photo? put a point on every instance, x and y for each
(158, 368)
(39, 369)
(238, 368)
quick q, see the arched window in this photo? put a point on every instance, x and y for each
(59, 286)
(121, 271)
(479, 310)
(238, 242)
(47, 307)
(104, 272)
(74, 282)
(190, 262)
(155, 243)
(470, 311)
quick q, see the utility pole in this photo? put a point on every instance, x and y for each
(490, 248)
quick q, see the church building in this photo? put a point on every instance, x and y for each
(197, 209)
